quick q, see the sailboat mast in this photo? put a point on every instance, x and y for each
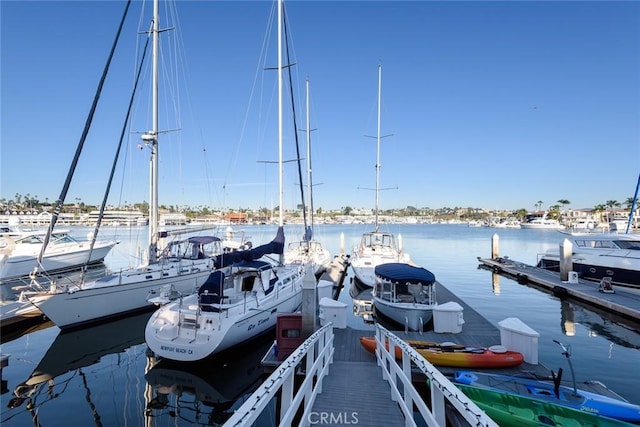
(378, 142)
(309, 182)
(280, 155)
(153, 141)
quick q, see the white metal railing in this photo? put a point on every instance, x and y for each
(441, 388)
(317, 351)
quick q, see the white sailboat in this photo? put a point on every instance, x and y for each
(376, 247)
(237, 304)
(309, 249)
(184, 265)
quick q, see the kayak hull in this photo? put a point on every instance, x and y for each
(455, 355)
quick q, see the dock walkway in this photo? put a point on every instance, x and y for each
(354, 386)
(623, 301)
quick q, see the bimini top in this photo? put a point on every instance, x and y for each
(404, 273)
(205, 240)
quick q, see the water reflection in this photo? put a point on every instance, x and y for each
(615, 329)
(205, 392)
(70, 352)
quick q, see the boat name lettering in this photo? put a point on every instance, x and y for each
(260, 322)
(176, 349)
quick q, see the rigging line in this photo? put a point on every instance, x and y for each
(117, 155)
(231, 166)
(85, 132)
(295, 123)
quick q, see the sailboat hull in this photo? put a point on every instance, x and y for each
(183, 331)
(127, 291)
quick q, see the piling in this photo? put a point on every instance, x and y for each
(495, 243)
(566, 262)
(309, 306)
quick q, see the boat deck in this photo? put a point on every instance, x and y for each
(624, 301)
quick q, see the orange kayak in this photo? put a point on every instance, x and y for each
(369, 343)
(458, 356)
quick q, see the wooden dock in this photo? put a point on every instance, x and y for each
(623, 301)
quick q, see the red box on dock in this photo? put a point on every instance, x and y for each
(288, 334)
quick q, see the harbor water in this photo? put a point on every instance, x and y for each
(105, 375)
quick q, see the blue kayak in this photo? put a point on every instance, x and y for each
(553, 393)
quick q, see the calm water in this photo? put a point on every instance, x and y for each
(104, 376)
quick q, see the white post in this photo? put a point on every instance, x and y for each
(495, 244)
(566, 262)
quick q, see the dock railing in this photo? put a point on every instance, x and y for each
(313, 356)
(441, 388)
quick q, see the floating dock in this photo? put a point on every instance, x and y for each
(354, 369)
(622, 301)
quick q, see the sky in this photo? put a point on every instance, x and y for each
(495, 105)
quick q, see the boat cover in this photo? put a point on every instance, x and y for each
(276, 246)
(204, 240)
(396, 272)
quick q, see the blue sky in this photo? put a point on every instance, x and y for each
(490, 104)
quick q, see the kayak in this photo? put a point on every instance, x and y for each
(456, 355)
(553, 393)
(511, 410)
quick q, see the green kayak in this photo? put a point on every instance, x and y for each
(512, 410)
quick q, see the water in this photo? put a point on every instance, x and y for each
(103, 375)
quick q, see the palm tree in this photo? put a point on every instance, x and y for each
(610, 205)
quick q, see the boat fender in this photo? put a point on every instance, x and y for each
(560, 291)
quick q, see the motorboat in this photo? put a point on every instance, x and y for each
(405, 294)
(19, 251)
(599, 255)
(542, 223)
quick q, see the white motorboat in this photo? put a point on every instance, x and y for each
(404, 293)
(376, 247)
(542, 223)
(236, 304)
(598, 255)
(19, 251)
(184, 265)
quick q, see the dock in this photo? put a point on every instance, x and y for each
(354, 389)
(622, 301)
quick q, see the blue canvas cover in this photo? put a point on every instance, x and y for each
(276, 246)
(396, 272)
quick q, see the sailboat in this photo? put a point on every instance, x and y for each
(184, 264)
(376, 247)
(236, 304)
(309, 249)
